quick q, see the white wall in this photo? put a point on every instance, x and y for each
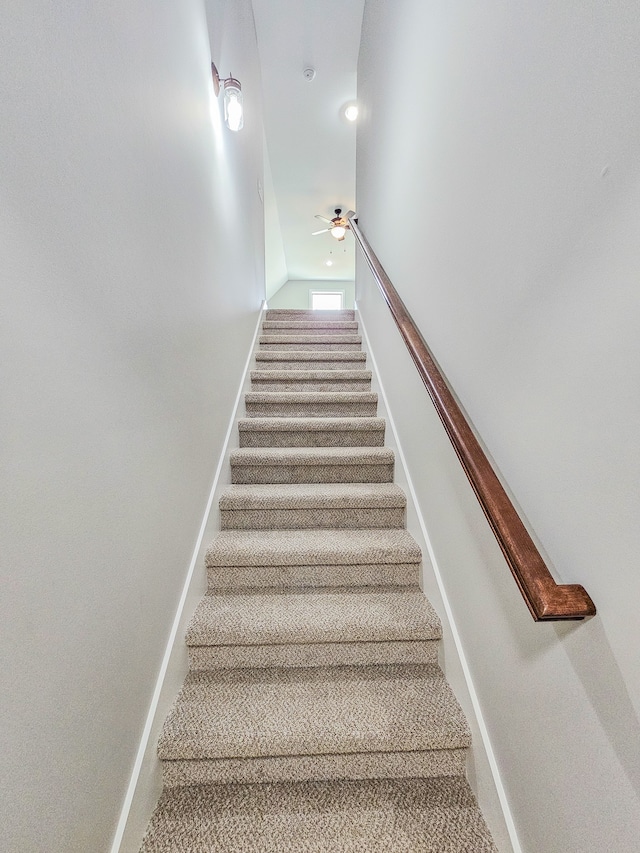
(275, 261)
(132, 245)
(297, 294)
(514, 151)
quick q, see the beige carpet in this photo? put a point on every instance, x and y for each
(381, 816)
(315, 716)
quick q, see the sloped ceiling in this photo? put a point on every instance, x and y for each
(310, 145)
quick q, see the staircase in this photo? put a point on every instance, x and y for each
(314, 716)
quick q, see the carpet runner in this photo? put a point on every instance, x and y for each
(314, 716)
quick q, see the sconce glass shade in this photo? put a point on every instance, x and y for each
(233, 111)
(338, 231)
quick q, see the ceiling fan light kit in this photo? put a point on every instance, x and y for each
(338, 226)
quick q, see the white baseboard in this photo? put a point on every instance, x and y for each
(480, 724)
(127, 837)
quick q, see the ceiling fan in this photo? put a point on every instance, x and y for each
(337, 226)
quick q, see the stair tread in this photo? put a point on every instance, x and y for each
(312, 548)
(312, 456)
(313, 617)
(311, 355)
(376, 816)
(310, 397)
(312, 496)
(310, 339)
(249, 713)
(312, 313)
(299, 375)
(311, 424)
(313, 323)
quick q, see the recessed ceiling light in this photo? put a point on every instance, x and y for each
(328, 263)
(351, 112)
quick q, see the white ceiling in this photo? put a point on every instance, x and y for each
(311, 146)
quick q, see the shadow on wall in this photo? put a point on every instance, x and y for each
(298, 294)
(597, 669)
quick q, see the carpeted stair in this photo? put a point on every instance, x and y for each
(314, 716)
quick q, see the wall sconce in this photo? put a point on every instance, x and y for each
(232, 92)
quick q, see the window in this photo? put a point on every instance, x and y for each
(322, 300)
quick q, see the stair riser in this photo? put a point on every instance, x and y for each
(312, 655)
(388, 765)
(309, 364)
(285, 519)
(321, 438)
(281, 474)
(317, 577)
(311, 409)
(311, 385)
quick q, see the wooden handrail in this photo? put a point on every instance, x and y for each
(546, 599)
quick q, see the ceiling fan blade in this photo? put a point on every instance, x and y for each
(323, 219)
(349, 214)
(324, 231)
